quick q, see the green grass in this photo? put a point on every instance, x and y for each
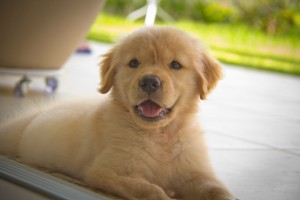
(234, 44)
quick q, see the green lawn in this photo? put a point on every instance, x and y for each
(233, 44)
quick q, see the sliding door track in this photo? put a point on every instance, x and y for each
(43, 183)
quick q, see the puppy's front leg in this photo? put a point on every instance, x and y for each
(199, 181)
(206, 188)
(131, 188)
(213, 191)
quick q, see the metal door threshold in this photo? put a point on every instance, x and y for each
(43, 183)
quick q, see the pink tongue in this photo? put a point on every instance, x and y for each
(149, 109)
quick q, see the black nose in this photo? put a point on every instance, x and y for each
(150, 84)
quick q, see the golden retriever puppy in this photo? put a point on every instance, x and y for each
(144, 141)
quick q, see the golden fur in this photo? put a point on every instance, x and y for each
(109, 145)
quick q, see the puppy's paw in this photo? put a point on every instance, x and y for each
(215, 192)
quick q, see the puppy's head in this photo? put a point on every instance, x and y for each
(157, 74)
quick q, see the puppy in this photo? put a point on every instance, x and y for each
(144, 141)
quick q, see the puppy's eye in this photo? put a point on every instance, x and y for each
(175, 65)
(134, 63)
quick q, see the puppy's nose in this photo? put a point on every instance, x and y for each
(150, 84)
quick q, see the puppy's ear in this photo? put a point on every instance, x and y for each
(210, 74)
(107, 72)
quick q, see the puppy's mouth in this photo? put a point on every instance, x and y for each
(151, 111)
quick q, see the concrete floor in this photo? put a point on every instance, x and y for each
(252, 121)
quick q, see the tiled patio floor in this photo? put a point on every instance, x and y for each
(252, 121)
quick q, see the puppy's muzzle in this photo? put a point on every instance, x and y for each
(150, 84)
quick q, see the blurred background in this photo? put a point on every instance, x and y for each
(259, 34)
